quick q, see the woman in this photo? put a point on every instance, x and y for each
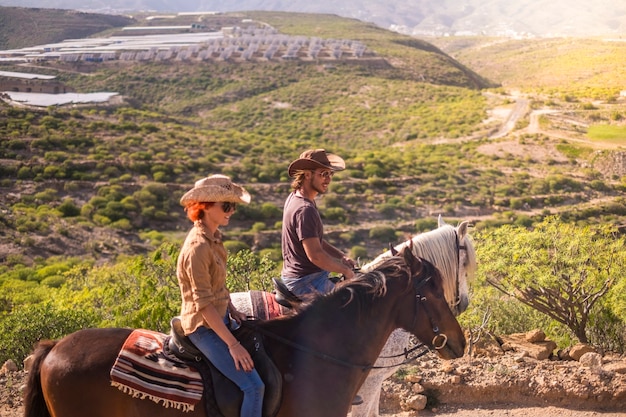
(201, 271)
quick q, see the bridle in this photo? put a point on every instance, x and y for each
(459, 248)
(419, 299)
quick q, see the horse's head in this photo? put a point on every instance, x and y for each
(439, 329)
(452, 251)
(460, 250)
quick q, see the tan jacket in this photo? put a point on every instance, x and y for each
(201, 272)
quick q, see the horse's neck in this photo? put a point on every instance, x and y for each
(439, 247)
(436, 246)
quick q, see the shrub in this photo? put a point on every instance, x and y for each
(235, 246)
(424, 225)
(336, 214)
(383, 234)
(22, 328)
(270, 211)
(68, 208)
(358, 252)
(258, 226)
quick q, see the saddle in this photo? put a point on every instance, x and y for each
(283, 295)
(223, 397)
(288, 299)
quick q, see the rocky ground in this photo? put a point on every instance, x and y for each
(492, 382)
(509, 385)
(516, 375)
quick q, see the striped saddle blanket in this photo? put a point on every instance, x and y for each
(144, 371)
(264, 305)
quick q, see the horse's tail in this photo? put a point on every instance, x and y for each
(34, 403)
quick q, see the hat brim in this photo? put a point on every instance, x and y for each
(214, 194)
(303, 164)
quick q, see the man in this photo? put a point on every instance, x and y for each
(308, 259)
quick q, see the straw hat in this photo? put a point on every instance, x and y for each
(314, 159)
(215, 188)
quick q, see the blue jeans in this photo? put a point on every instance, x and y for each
(250, 383)
(316, 282)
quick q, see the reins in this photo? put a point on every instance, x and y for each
(252, 324)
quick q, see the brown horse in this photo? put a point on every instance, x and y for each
(333, 344)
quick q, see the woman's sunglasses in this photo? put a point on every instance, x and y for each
(227, 206)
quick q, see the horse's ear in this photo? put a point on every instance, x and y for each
(412, 261)
(392, 249)
(462, 229)
(440, 221)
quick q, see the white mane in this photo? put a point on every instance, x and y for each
(441, 247)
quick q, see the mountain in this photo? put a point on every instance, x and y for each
(524, 18)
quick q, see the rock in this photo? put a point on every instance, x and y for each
(28, 363)
(9, 366)
(417, 402)
(535, 336)
(455, 379)
(617, 367)
(517, 342)
(413, 378)
(591, 360)
(486, 346)
(579, 350)
(563, 354)
(448, 368)
(418, 389)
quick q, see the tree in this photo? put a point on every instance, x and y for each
(561, 270)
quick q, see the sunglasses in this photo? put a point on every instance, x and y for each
(227, 206)
(325, 174)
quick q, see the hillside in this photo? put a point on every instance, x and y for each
(579, 67)
(21, 27)
(416, 131)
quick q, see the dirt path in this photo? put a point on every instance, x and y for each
(512, 411)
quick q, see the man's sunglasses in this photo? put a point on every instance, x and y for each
(227, 206)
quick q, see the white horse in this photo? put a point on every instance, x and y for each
(451, 250)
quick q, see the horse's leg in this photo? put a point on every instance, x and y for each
(370, 390)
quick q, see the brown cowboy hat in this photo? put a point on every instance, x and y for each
(215, 188)
(316, 158)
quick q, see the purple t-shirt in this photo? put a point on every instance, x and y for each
(301, 220)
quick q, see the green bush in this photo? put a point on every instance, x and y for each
(383, 234)
(22, 328)
(235, 246)
(68, 208)
(358, 252)
(336, 214)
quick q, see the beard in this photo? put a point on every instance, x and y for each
(318, 189)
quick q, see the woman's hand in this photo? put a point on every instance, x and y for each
(241, 357)
(237, 315)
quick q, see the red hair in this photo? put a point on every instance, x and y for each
(195, 209)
